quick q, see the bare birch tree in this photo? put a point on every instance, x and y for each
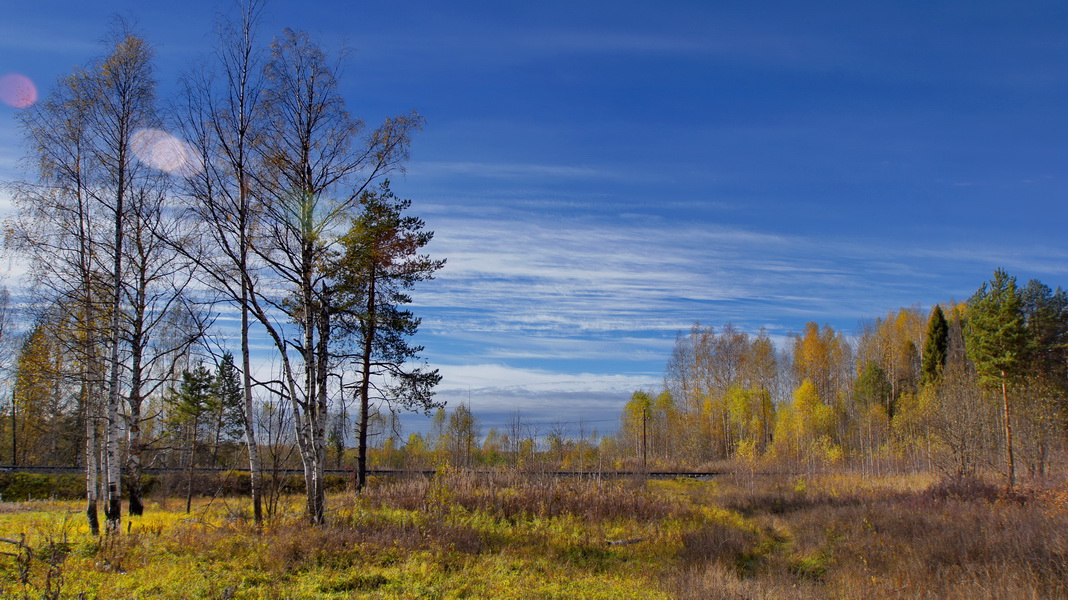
(93, 221)
(221, 117)
(159, 320)
(122, 87)
(316, 161)
(56, 228)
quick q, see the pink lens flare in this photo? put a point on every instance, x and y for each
(17, 90)
(161, 150)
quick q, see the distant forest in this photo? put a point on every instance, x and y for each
(966, 389)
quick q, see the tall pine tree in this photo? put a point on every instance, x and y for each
(379, 264)
(997, 344)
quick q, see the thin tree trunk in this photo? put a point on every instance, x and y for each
(134, 476)
(135, 447)
(14, 431)
(113, 507)
(308, 438)
(255, 470)
(216, 436)
(321, 405)
(1008, 432)
(365, 382)
(245, 106)
(189, 471)
(92, 470)
(89, 369)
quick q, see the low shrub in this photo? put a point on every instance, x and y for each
(963, 488)
(237, 483)
(41, 486)
(722, 543)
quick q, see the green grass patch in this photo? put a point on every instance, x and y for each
(520, 538)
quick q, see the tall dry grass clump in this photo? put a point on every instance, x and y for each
(514, 495)
(956, 539)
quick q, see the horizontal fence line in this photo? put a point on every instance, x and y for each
(384, 472)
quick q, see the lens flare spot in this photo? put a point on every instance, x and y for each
(161, 150)
(17, 90)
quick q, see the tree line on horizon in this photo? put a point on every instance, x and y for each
(965, 389)
(253, 188)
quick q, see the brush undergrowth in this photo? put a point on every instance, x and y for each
(458, 535)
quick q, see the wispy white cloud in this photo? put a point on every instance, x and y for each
(593, 42)
(555, 277)
(723, 41)
(1035, 259)
(589, 296)
(509, 170)
(595, 276)
(488, 379)
(496, 390)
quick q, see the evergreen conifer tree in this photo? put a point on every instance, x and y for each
(997, 344)
(936, 348)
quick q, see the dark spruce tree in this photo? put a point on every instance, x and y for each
(1046, 318)
(193, 402)
(936, 348)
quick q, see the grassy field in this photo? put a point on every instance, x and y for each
(513, 536)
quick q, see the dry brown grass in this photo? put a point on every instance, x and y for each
(292, 546)
(14, 507)
(956, 547)
(955, 539)
(505, 534)
(714, 581)
(512, 496)
(721, 544)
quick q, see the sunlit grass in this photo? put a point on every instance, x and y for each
(462, 536)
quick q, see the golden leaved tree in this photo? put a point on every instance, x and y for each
(805, 428)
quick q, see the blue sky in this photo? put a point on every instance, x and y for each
(602, 174)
